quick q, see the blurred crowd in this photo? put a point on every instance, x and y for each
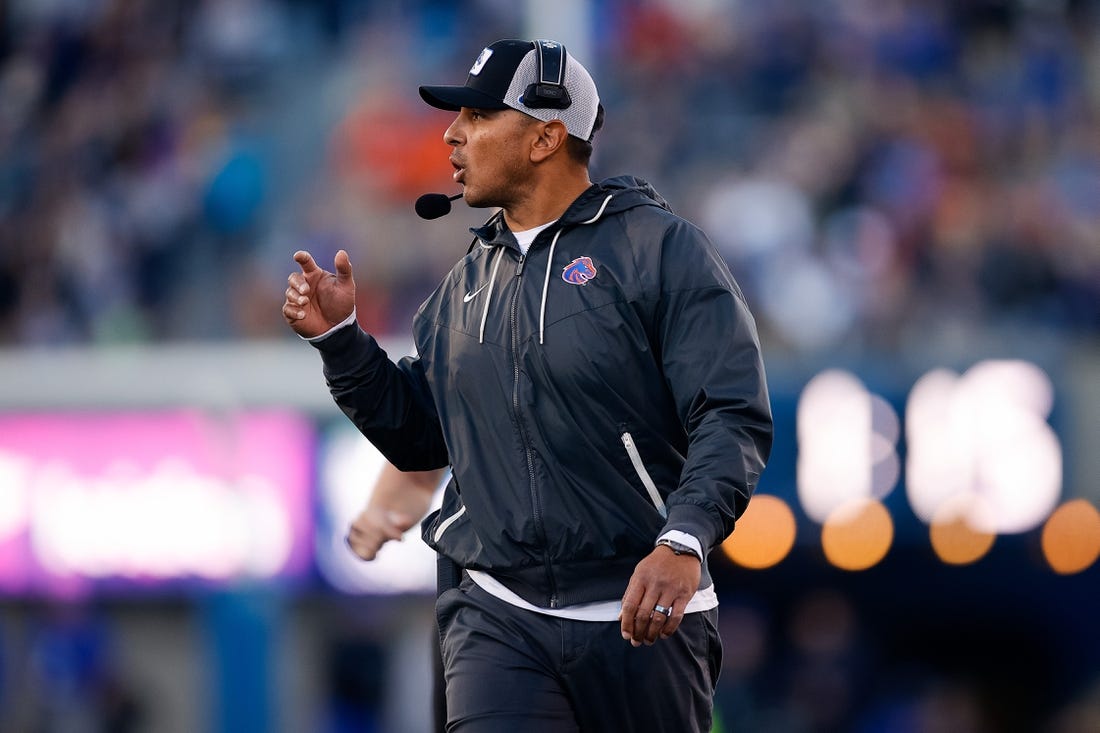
(804, 660)
(880, 174)
(883, 176)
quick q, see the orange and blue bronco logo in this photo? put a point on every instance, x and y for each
(579, 271)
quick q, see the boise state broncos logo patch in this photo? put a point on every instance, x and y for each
(579, 271)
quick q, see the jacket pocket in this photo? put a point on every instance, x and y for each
(643, 474)
(445, 524)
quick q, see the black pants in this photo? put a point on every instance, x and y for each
(508, 669)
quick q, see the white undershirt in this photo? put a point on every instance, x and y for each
(527, 236)
(703, 600)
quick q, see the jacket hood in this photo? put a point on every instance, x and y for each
(610, 196)
(626, 192)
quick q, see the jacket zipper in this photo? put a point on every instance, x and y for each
(536, 505)
(643, 474)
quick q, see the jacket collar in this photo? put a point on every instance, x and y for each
(597, 201)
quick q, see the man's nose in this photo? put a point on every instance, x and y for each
(451, 135)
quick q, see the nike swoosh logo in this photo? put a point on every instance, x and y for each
(470, 296)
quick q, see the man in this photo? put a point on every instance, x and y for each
(593, 376)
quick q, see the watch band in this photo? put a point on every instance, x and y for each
(679, 548)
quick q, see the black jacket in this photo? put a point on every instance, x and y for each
(591, 395)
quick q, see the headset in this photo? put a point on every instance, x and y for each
(549, 91)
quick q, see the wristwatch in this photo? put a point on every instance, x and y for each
(679, 548)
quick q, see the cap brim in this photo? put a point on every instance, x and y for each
(452, 98)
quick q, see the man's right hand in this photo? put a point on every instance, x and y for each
(317, 300)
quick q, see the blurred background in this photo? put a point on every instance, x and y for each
(908, 192)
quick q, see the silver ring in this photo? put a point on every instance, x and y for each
(662, 610)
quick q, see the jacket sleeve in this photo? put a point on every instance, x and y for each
(390, 403)
(710, 354)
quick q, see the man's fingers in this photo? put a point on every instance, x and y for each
(674, 619)
(654, 620)
(636, 617)
(647, 622)
(364, 550)
(343, 266)
(664, 621)
(297, 283)
(295, 297)
(305, 261)
(626, 618)
(373, 528)
(292, 312)
(295, 303)
(671, 625)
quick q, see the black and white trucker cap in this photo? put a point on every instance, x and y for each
(538, 78)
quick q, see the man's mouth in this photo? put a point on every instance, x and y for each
(460, 171)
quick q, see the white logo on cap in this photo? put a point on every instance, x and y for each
(480, 63)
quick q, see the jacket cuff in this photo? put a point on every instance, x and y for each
(344, 350)
(683, 538)
(347, 321)
(695, 521)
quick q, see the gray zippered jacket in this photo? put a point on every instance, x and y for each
(601, 390)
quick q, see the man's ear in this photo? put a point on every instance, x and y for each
(551, 138)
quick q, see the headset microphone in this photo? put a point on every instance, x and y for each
(434, 205)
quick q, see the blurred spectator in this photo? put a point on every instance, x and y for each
(874, 171)
(72, 679)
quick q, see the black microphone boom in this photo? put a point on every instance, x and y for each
(434, 205)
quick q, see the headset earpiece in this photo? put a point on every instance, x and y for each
(549, 91)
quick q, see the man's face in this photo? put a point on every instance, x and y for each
(491, 155)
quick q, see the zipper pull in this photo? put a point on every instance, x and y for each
(522, 260)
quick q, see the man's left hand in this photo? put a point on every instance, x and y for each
(663, 579)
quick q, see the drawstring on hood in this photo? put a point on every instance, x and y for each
(489, 295)
(546, 282)
(550, 261)
(614, 194)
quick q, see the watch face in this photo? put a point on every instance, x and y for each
(678, 547)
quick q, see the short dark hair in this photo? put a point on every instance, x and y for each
(581, 150)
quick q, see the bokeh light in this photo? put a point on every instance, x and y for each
(857, 535)
(984, 434)
(1071, 537)
(765, 533)
(846, 442)
(954, 540)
